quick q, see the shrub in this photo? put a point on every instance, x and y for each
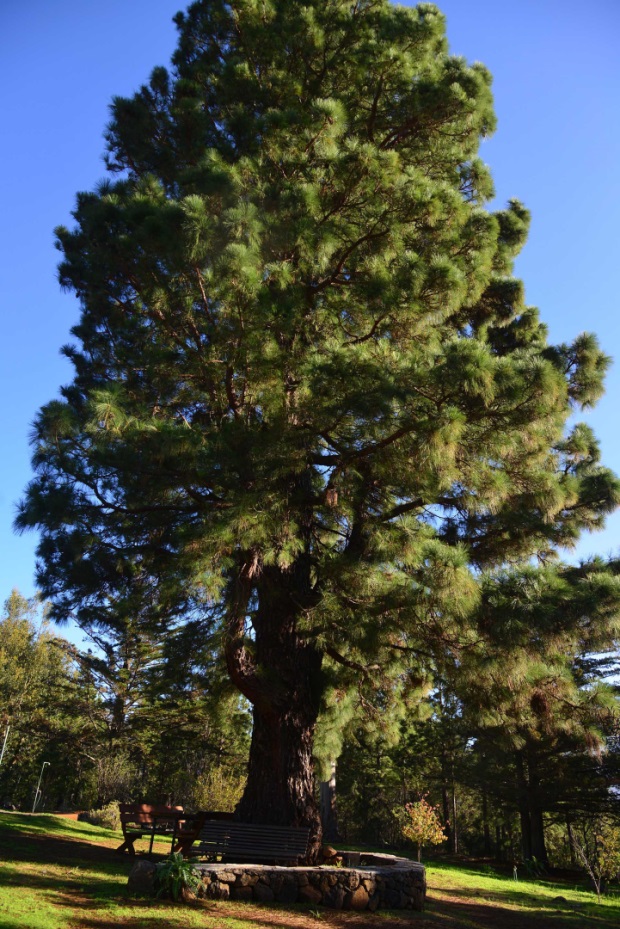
(175, 877)
(108, 816)
(219, 789)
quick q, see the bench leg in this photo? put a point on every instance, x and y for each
(127, 844)
(183, 845)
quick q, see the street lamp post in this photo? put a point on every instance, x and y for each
(6, 735)
(38, 790)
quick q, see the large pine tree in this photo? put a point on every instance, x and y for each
(308, 393)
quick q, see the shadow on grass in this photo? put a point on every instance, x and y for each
(22, 824)
(46, 849)
(490, 915)
(70, 888)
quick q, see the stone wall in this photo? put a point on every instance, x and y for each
(379, 882)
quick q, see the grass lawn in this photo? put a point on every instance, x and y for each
(56, 873)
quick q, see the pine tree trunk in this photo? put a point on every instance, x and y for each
(280, 785)
(524, 809)
(445, 802)
(454, 836)
(539, 848)
(485, 824)
(537, 826)
(571, 843)
(279, 673)
(329, 812)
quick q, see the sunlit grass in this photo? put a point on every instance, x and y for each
(39, 892)
(487, 885)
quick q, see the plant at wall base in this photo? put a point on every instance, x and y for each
(175, 878)
(423, 826)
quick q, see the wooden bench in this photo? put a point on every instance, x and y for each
(251, 842)
(190, 828)
(145, 819)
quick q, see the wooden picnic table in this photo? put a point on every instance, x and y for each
(139, 820)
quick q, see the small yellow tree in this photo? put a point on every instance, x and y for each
(422, 826)
(600, 857)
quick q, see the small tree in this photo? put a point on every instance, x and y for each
(423, 827)
(601, 856)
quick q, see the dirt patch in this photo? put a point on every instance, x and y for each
(330, 919)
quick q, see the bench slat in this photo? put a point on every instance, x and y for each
(253, 841)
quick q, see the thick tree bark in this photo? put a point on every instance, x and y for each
(279, 672)
(280, 785)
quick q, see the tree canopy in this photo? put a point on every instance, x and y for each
(310, 403)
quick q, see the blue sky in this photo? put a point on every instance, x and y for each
(557, 85)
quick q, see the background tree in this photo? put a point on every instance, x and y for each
(536, 698)
(47, 708)
(308, 393)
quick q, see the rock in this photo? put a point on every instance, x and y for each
(217, 890)
(263, 893)
(275, 881)
(309, 894)
(358, 900)
(392, 899)
(247, 879)
(559, 899)
(328, 853)
(335, 898)
(227, 876)
(142, 878)
(418, 899)
(238, 892)
(288, 892)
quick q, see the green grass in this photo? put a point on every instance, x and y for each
(489, 887)
(473, 885)
(38, 891)
(56, 873)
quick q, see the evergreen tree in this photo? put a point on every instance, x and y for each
(535, 694)
(45, 712)
(308, 393)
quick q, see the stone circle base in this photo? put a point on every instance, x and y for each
(375, 882)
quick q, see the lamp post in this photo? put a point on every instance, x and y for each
(38, 791)
(6, 735)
